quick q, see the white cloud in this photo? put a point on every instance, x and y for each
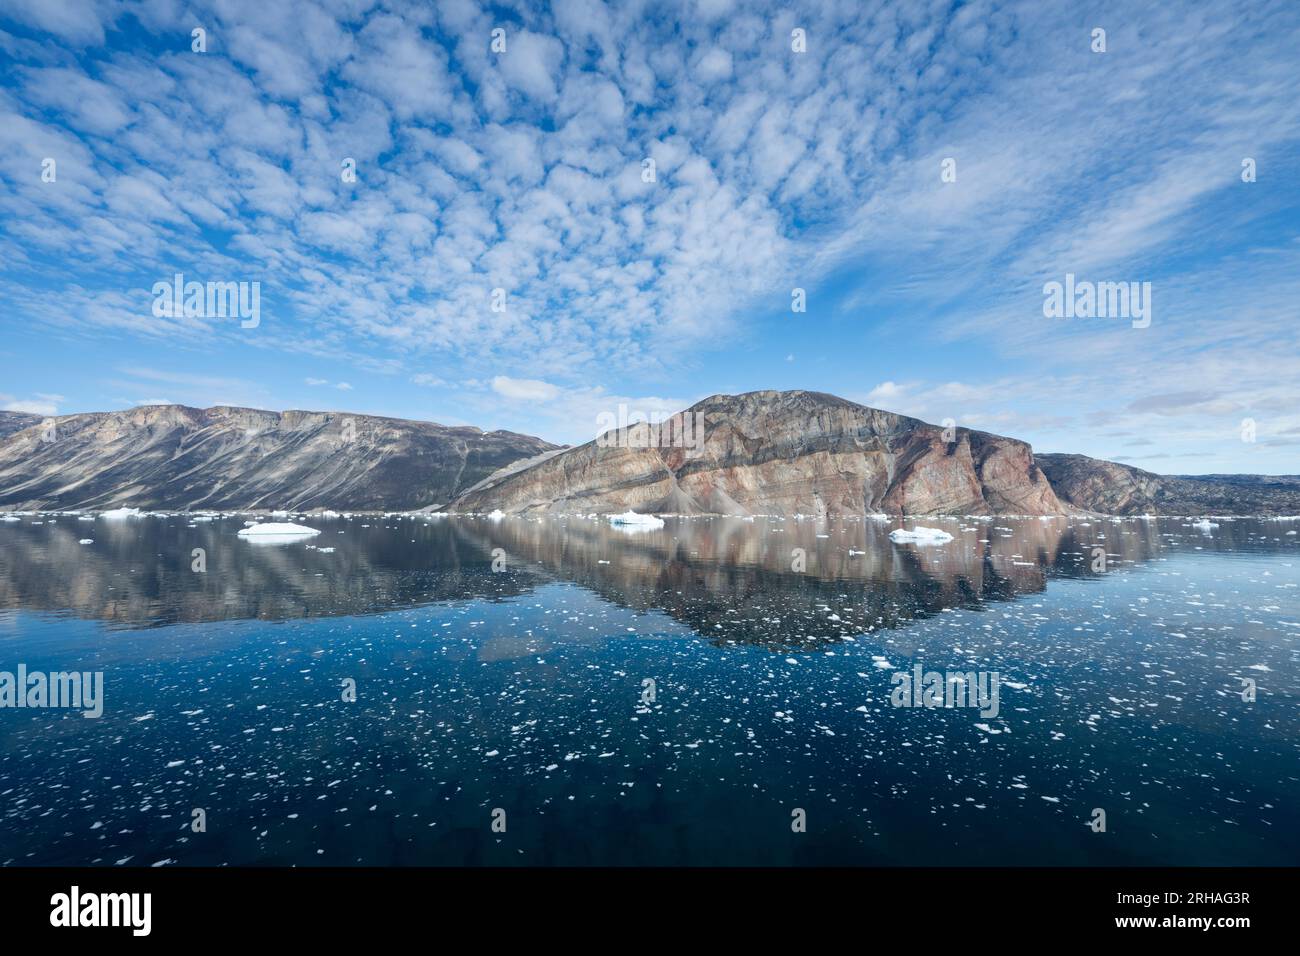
(524, 389)
(33, 407)
(524, 171)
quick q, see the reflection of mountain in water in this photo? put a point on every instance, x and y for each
(139, 572)
(730, 580)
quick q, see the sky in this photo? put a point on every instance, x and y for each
(520, 216)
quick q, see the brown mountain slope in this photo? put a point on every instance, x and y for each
(178, 458)
(782, 453)
(1107, 487)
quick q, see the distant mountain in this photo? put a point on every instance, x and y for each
(1108, 487)
(781, 453)
(11, 422)
(175, 457)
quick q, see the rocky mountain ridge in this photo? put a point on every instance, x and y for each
(768, 452)
(1108, 487)
(179, 458)
(780, 453)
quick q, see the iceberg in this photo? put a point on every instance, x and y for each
(277, 529)
(497, 515)
(630, 519)
(119, 514)
(919, 535)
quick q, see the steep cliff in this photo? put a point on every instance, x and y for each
(780, 453)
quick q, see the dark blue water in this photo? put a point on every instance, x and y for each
(519, 695)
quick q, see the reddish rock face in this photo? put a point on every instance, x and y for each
(783, 453)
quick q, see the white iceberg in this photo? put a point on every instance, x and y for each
(277, 529)
(919, 535)
(630, 519)
(86, 541)
(119, 514)
(496, 515)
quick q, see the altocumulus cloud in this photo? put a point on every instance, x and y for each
(524, 172)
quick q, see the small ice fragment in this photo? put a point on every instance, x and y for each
(920, 535)
(631, 519)
(276, 528)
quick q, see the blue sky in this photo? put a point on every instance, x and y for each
(522, 170)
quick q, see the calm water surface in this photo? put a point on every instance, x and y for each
(521, 690)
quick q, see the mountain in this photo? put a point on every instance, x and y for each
(11, 422)
(174, 457)
(1108, 487)
(781, 453)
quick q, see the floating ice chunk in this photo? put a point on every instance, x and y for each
(1205, 524)
(496, 515)
(10, 518)
(277, 529)
(630, 519)
(119, 514)
(919, 535)
(86, 541)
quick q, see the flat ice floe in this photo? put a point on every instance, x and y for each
(920, 535)
(630, 519)
(277, 529)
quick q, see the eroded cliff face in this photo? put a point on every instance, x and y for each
(782, 453)
(1107, 487)
(179, 458)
